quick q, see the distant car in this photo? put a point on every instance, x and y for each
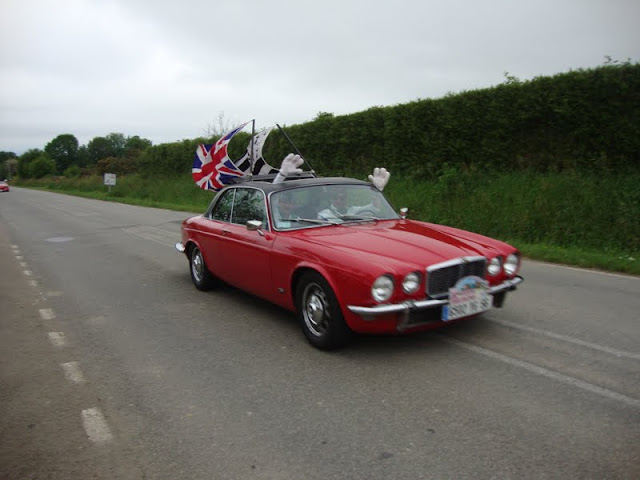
(4, 186)
(360, 269)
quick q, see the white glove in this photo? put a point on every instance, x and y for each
(290, 165)
(380, 177)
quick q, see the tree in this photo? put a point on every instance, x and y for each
(63, 150)
(41, 167)
(8, 162)
(136, 145)
(118, 144)
(25, 159)
(99, 148)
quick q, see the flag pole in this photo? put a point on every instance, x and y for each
(253, 135)
(295, 148)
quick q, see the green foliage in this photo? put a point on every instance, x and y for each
(41, 167)
(583, 120)
(584, 210)
(25, 159)
(63, 150)
(73, 171)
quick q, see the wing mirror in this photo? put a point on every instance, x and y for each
(255, 226)
(404, 211)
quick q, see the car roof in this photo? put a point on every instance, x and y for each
(268, 186)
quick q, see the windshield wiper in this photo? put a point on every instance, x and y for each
(359, 218)
(311, 220)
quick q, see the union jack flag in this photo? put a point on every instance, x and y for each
(212, 167)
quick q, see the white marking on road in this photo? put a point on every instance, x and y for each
(58, 339)
(28, 273)
(72, 372)
(59, 239)
(23, 264)
(33, 283)
(19, 257)
(96, 426)
(564, 338)
(157, 235)
(589, 387)
(47, 314)
(586, 270)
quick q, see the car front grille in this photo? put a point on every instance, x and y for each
(442, 276)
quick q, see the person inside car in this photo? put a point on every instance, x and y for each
(283, 209)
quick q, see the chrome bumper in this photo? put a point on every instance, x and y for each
(370, 313)
(180, 247)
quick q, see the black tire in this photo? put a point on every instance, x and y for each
(319, 314)
(200, 275)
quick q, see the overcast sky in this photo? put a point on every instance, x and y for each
(169, 70)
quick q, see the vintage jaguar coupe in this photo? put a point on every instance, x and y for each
(334, 251)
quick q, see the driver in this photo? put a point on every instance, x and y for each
(340, 207)
(283, 211)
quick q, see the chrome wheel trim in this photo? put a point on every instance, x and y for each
(315, 309)
(197, 265)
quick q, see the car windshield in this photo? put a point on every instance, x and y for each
(318, 205)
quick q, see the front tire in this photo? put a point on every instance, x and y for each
(200, 275)
(319, 314)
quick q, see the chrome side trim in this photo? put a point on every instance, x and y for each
(180, 247)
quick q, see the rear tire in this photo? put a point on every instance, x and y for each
(319, 314)
(200, 275)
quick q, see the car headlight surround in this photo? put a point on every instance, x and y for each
(511, 264)
(495, 266)
(382, 288)
(411, 282)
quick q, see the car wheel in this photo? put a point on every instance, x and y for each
(200, 275)
(319, 313)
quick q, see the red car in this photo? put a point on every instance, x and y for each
(4, 186)
(334, 251)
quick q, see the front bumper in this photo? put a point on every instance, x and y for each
(412, 306)
(180, 247)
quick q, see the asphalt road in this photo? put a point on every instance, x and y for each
(112, 365)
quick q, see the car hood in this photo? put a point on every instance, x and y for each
(405, 241)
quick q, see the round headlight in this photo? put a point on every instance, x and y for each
(382, 288)
(411, 282)
(495, 265)
(511, 264)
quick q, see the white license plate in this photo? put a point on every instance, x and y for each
(469, 296)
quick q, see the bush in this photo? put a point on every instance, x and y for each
(41, 167)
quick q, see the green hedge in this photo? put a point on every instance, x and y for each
(581, 120)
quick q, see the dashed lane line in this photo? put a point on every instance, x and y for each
(610, 394)
(96, 426)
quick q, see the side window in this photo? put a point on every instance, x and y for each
(222, 210)
(249, 205)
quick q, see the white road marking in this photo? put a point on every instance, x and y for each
(585, 270)
(33, 283)
(72, 372)
(58, 339)
(158, 235)
(23, 264)
(47, 314)
(96, 426)
(564, 338)
(28, 273)
(19, 257)
(589, 387)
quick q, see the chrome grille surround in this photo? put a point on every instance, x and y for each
(442, 276)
